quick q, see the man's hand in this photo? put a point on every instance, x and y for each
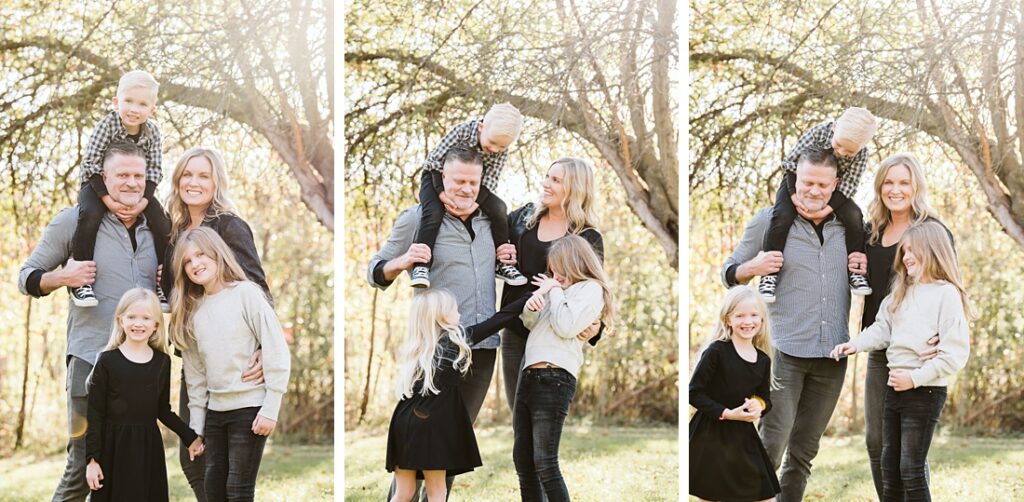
(506, 254)
(255, 372)
(766, 262)
(857, 263)
(900, 380)
(417, 253)
(76, 274)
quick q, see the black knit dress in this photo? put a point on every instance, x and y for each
(433, 431)
(727, 460)
(125, 401)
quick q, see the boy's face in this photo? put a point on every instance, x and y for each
(135, 106)
(490, 143)
(843, 147)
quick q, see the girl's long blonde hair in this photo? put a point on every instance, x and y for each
(572, 257)
(221, 203)
(878, 215)
(935, 257)
(736, 295)
(158, 339)
(418, 357)
(578, 203)
(186, 295)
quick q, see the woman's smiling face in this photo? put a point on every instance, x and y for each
(196, 185)
(554, 188)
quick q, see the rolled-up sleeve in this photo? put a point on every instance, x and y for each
(398, 242)
(52, 251)
(748, 247)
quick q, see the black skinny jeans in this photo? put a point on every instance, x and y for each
(542, 403)
(233, 454)
(907, 427)
(432, 210)
(784, 213)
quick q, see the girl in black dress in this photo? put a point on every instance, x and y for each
(431, 435)
(129, 390)
(730, 388)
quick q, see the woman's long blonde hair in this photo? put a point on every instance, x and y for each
(158, 339)
(736, 295)
(418, 357)
(572, 257)
(878, 215)
(221, 203)
(935, 257)
(186, 295)
(578, 204)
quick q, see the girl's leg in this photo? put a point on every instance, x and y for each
(216, 475)
(437, 490)
(245, 451)
(405, 485)
(921, 409)
(552, 392)
(194, 470)
(530, 488)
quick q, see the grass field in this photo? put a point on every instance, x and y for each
(287, 473)
(962, 468)
(598, 463)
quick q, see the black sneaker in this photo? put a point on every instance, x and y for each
(83, 296)
(165, 306)
(510, 274)
(420, 276)
(859, 285)
(767, 287)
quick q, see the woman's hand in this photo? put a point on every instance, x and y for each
(900, 380)
(255, 372)
(544, 284)
(535, 303)
(932, 351)
(263, 426)
(93, 475)
(843, 349)
(196, 449)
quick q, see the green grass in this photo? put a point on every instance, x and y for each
(962, 468)
(598, 463)
(286, 473)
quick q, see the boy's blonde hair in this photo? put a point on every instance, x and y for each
(578, 204)
(187, 294)
(428, 322)
(737, 294)
(857, 125)
(158, 339)
(879, 215)
(138, 78)
(572, 257)
(935, 257)
(503, 120)
(221, 203)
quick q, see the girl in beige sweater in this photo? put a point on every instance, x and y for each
(927, 298)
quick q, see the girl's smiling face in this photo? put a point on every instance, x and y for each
(196, 185)
(200, 267)
(910, 261)
(745, 320)
(138, 322)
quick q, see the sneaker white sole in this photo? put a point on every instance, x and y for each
(860, 292)
(513, 282)
(85, 303)
(420, 283)
(768, 299)
(165, 308)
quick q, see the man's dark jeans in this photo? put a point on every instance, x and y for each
(907, 426)
(233, 454)
(804, 394)
(542, 403)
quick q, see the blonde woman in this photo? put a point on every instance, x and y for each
(431, 434)
(200, 198)
(901, 200)
(575, 296)
(730, 388)
(566, 207)
(927, 297)
(218, 320)
(129, 390)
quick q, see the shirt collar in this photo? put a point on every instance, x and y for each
(121, 133)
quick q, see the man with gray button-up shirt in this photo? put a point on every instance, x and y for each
(463, 264)
(808, 318)
(124, 259)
